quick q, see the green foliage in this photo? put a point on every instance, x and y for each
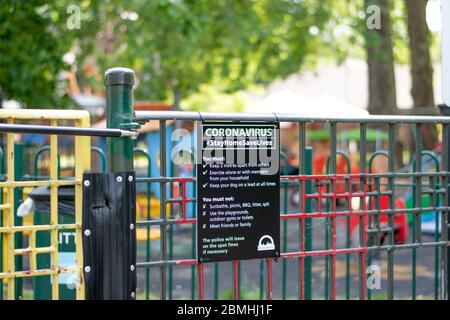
(177, 45)
(211, 98)
(180, 45)
(33, 39)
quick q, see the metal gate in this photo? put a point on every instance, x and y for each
(12, 231)
(348, 228)
(26, 244)
(375, 192)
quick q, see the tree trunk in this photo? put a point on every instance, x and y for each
(421, 68)
(380, 61)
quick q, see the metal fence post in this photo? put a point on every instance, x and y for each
(109, 242)
(308, 224)
(19, 170)
(445, 226)
(119, 115)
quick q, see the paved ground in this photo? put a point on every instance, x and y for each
(250, 270)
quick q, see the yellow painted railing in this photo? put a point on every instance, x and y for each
(8, 272)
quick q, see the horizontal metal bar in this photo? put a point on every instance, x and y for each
(179, 200)
(164, 179)
(346, 195)
(37, 273)
(375, 230)
(162, 222)
(44, 114)
(30, 250)
(38, 227)
(71, 131)
(291, 180)
(409, 246)
(302, 254)
(144, 116)
(161, 263)
(39, 183)
(312, 215)
(324, 178)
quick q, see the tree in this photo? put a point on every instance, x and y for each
(177, 46)
(34, 36)
(380, 59)
(421, 67)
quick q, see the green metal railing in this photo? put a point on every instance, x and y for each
(434, 202)
(144, 153)
(328, 231)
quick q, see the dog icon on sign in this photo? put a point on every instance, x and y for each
(266, 243)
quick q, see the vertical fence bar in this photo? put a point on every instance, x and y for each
(434, 201)
(445, 250)
(193, 234)
(301, 170)
(333, 242)
(348, 242)
(163, 227)
(331, 232)
(417, 204)
(54, 211)
(269, 279)
(391, 238)
(261, 280)
(308, 227)
(348, 186)
(302, 228)
(143, 152)
(82, 164)
(19, 163)
(170, 257)
(11, 265)
(201, 282)
(236, 280)
(285, 224)
(362, 204)
(377, 206)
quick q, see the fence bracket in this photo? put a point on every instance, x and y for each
(109, 235)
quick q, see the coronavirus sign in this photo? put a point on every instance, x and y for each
(238, 190)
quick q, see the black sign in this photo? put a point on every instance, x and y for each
(238, 191)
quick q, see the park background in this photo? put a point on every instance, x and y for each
(308, 57)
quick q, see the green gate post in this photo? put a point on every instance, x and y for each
(19, 170)
(119, 115)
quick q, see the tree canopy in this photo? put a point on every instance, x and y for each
(175, 46)
(33, 40)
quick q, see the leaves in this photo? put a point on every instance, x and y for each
(184, 44)
(176, 45)
(33, 39)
